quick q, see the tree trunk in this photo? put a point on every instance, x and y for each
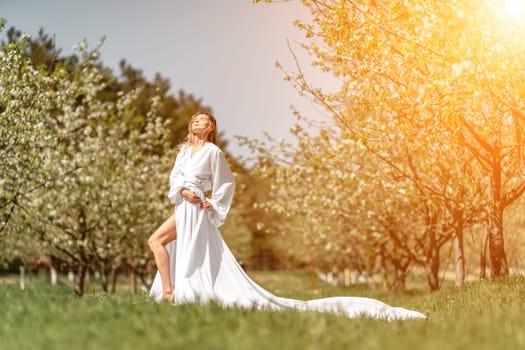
(104, 279)
(133, 280)
(114, 276)
(498, 260)
(459, 253)
(383, 271)
(80, 279)
(53, 275)
(432, 257)
(432, 275)
(22, 277)
(312, 266)
(483, 257)
(432, 267)
(399, 283)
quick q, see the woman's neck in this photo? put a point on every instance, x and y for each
(199, 140)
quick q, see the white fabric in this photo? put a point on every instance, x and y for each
(202, 266)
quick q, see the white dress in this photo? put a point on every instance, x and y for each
(202, 266)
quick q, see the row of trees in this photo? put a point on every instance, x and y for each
(77, 173)
(425, 138)
(85, 158)
(424, 143)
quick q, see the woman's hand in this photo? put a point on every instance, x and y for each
(206, 205)
(190, 196)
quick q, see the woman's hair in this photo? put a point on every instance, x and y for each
(212, 135)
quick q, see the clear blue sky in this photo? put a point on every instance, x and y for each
(222, 51)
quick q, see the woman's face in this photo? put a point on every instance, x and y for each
(201, 124)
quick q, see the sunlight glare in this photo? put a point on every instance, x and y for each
(515, 8)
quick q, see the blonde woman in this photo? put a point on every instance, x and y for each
(195, 264)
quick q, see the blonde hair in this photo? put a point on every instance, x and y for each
(212, 134)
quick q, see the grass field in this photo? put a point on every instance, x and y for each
(482, 315)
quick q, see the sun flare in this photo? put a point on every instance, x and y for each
(514, 8)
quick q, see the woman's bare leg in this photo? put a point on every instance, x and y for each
(166, 233)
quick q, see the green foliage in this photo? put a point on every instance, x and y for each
(242, 232)
(460, 318)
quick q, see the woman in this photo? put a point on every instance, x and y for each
(195, 264)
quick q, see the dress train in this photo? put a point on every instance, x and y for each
(203, 269)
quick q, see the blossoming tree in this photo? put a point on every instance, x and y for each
(434, 89)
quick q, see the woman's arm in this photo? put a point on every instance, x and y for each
(192, 197)
(223, 188)
(176, 180)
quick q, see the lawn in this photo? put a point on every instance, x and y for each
(482, 315)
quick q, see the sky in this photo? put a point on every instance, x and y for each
(223, 51)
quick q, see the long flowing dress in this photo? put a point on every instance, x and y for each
(202, 266)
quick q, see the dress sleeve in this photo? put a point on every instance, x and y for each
(223, 188)
(176, 181)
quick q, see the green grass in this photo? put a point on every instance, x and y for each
(482, 315)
